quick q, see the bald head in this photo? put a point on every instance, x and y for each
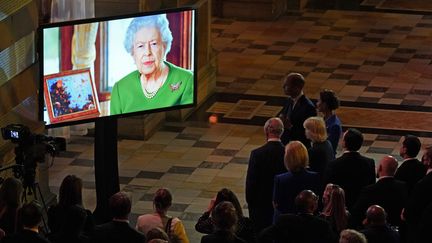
(306, 201)
(376, 215)
(274, 127)
(387, 166)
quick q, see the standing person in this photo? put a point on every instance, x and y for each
(321, 151)
(244, 228)
(264, 163)
(334, 209)
(411, 170)
(70, 195)
(225, 218)
(427, 157)
(10, 201)
(351, 171)
(327, 103)
(419, 200)
(389, 193)
(30, 217)
(296, 110)
(288, 185)
(173, 226)
(118, 230)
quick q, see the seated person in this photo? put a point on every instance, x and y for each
(118, 230)
(225, 218)
(30, 216)
(376, 228)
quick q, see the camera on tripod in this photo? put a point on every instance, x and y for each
(30, 150)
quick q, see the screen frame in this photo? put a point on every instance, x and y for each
(41, 78)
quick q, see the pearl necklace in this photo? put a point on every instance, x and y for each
(150, 95)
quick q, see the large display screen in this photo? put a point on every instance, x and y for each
(117, 66)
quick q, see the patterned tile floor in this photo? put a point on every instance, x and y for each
(379, 64)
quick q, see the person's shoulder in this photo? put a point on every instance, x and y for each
(176, 70)
(131, 77)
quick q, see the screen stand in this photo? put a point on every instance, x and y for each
(106, 167)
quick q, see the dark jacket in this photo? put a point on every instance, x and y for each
(410, 171)
(25, 236)
(288, 185)
(389, 193)
(303, 109)
(115, 231)
(352, 172)
(381, 234)
(221, 237)
(320, 154)
(265, 162)
(302, 228)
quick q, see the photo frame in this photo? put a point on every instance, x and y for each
(70, 95)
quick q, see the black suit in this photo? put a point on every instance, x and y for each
(389, 193)
(381, 234)
(419, 200)
(303, 109)
(302, 228)
(115, 231)
(221, 237)
(411, 171)
(25, 236)
(265, 162)
(352, 172)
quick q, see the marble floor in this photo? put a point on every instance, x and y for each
(378, 63)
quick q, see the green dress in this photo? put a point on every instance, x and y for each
(128, 96)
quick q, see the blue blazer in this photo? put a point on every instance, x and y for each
(288, 185)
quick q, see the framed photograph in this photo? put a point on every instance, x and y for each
(70, 95)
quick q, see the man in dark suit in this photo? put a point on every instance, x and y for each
(411, 170)
(419, 200)
(297, 109)
(376, 228)
(302, 227)
(387, 192)
(118, 230)
(31, 217)
(264, 163)
(352, 171)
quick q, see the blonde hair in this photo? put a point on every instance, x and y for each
(352, 236)
(334, 207)
(296, 156)
(317, 128)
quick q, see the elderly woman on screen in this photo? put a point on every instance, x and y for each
(156, 83)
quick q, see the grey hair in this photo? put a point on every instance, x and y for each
(274, 126)
(159, 21)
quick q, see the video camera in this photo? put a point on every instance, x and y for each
(31, 150)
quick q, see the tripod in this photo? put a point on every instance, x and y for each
(34, 189)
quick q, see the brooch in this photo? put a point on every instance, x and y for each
(175, 86)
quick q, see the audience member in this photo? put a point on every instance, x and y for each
(427, 157)
(30, 216)
(157, 234)
(297, 109)
(288, 185)
(173, 226)
(334, 210)
(10, 201)
(423, 235)
(411, 170)
(376, 228)
(302, 227)
(264, 163)
(321, 151)
(70, 194)
(72, 228)
(327, 104)
(419, 200)
(225, 218)
(351, 171)
(118, 230)
(244, 228)
(388, 192)
(352, 236)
